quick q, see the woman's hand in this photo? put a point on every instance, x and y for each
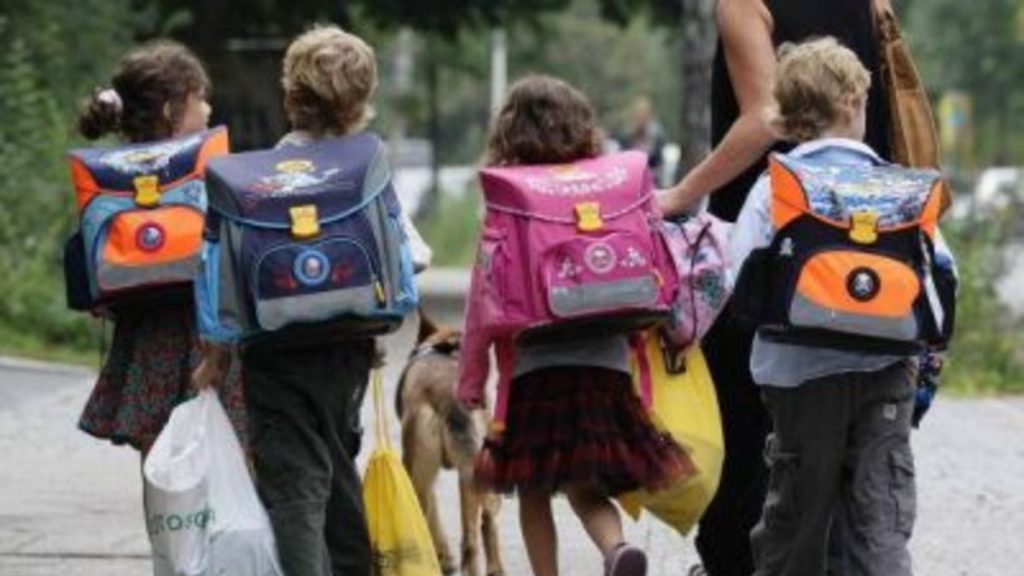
(213, 367)
(678, 199)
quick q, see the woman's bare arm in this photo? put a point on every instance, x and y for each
(745, 27)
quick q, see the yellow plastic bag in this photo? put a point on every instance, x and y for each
(686, 406)
(398, 531)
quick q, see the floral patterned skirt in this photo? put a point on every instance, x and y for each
(147, 373)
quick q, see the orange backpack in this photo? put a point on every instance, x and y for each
(852, 264)
(141, 210)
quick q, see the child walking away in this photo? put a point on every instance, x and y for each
(305, 260)
(568, 419)
(134, 257)
(847, 279)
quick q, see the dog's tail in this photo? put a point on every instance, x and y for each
(459, 422)
(455, 418)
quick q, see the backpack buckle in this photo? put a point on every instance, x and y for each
(864, 227)
(305, 223)
(147, 191)
(588, 217)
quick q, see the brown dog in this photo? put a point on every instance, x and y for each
(437, 432)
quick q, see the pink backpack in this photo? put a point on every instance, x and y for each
(699, 248)
(573, 249)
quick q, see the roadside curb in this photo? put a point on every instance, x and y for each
(27, 365)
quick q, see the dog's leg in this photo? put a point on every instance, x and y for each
(491, 505)
(470, 503)
(421, 454)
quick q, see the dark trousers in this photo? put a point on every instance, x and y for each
(842, 440)
(301, 403)
(723, 539)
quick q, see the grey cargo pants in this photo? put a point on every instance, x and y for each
(840, 439)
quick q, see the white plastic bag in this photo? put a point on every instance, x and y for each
(202, 511)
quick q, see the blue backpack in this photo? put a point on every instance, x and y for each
(304, 239)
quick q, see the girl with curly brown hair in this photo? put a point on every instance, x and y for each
(573, 422)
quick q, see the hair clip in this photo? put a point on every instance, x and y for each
(111, 97)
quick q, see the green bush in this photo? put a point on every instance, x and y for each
(987, 353)
(51, 55)
(452, 229)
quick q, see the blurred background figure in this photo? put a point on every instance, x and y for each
(645, 133)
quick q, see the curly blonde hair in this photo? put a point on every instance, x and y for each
(544, 121)
(329, 78)
(818, 84)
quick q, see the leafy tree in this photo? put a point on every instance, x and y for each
(611, 61)
(694, 24)
(977, 47)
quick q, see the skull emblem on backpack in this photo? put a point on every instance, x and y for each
(863, 284)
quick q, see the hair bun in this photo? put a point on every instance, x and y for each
(100, 114)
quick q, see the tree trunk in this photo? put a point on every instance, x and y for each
(697, 46)
(433, 197)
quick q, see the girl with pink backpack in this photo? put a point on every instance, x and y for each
(568, 418)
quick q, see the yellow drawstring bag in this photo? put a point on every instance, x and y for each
(685, 405)
(398, 531)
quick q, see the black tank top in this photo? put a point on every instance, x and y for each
(852, 23)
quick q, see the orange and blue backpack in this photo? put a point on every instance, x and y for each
(141, 210)
(852, 263)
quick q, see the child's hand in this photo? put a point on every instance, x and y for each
(469, 401)
(212, 368)
(929, 373)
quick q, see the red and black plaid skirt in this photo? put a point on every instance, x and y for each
(568, 425)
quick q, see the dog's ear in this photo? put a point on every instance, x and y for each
(427, 326)
(448, 346)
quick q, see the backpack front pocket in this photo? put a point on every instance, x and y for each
(857, 293)
(140, 248)
(584, 276)
(312, 282)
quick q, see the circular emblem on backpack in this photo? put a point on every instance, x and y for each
(863, 284)
(150, 237)
(600, 258)
(311, 268)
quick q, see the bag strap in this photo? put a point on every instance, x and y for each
(886, 23)
(695, 253)
(380, 409)
(638, 342)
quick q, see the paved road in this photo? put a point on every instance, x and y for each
(71, 505)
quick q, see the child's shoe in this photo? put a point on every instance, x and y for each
(626, 560)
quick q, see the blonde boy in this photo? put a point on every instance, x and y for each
(303, 396)
(841, 419)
